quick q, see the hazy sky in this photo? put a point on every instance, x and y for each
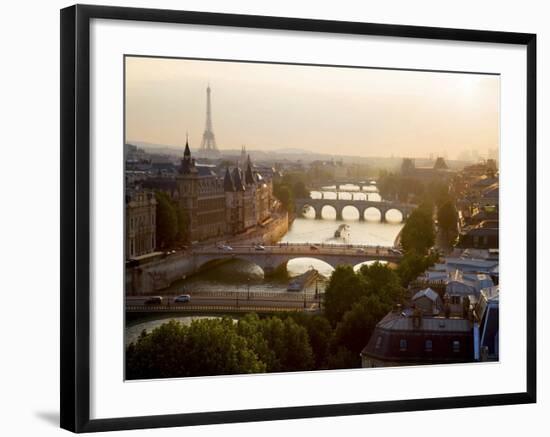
(331, 110)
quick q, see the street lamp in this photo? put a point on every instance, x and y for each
(316, 288)
(248, 290)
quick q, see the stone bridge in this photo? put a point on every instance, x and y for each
(361, 205)
(338, 184)
(274, 258)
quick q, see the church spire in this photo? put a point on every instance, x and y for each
(187, 151)
(187, 163)
(242, 159)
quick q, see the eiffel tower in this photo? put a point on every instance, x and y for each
(208, 146)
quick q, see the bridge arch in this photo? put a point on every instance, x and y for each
(330, 215)
(299, 265)
(394, 215)
(352, 212)
(309, 211)
(372, 214)
(202, 264)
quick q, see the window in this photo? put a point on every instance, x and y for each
(378, 342)
(402, 345)
(456, 346)
(455, 300)
(428, 345)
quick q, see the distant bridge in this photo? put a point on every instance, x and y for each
(360, 205)
(273, 258)
(339, 185)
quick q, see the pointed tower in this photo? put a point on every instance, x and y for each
(242, 159)
(440, 164)
(228, 184)
(188, 188)
(238, 180)
(209, 149)
(249, 176)
(187, 163)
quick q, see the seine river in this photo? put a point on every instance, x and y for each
(240, 275)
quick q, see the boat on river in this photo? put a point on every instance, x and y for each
(342, 232)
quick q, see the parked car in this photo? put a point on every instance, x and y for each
(313, 247)
(154, 300)
(360, 250)
(259, 247)
(227, 248)
(182, 298)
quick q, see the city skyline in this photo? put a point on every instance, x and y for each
(323, 109)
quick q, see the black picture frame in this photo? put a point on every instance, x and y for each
(75, 217)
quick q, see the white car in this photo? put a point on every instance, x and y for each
(259, 247)
(183, 298)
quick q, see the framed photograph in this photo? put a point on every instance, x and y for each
(272, 218)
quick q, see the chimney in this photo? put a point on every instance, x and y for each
(417, 319)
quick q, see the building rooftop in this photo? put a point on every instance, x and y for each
(394, 321)
(427, 292)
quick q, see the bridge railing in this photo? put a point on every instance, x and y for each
(242, 293)
(296, 245)
(218, 309)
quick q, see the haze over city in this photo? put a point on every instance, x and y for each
(348, 111)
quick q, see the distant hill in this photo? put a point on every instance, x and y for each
(291, 150)
(294, 154)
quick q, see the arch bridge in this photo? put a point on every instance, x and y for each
(361, 205)
(339, 185)
(274, 258)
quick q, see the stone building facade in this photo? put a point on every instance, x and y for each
(202, 198)
(222, 206)
(439, 171)
(140, 223)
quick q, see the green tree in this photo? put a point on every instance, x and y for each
(356, 327)
(342, 358)
(289, 342)
(413, 264)
(397, 187)
(167, 221)
(343, 290)
(447, 218)
(388, 185)
(284, 194)
(418, 233)
(299, 190)
(206, 347)
(319, 332)
(378, 288)
(182, 218)
(282, 344)
(383, 282)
